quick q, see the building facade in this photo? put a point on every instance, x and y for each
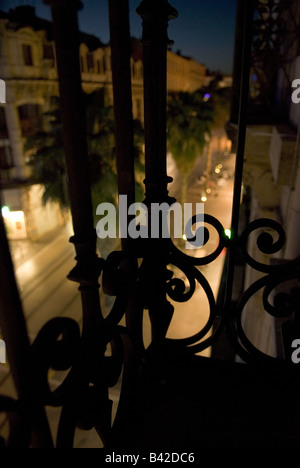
(184, 74)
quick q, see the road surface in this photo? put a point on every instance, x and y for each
(190, 317)
(46, 293)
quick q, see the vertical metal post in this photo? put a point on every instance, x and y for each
(120, 43)
(121, 72)
(247, 17)
(14, 331)
(87, 271)
(243, 112)
(237, 63)
(155, 15)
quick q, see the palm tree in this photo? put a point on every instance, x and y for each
(190, 117)
(46, 159)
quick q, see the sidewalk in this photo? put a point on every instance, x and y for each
(23, 250)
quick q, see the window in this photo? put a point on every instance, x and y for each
(48, 54)
(90, 62)
(104, 64)
(141, 73)
(133, 69)
(30, 119)
(139, 109)
(3, 127)
(99, 67)
(27, 55)
(82, 66)
(48, 51)
(5, 157)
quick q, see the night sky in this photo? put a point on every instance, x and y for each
(204, 29)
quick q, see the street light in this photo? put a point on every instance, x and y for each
(5, 211)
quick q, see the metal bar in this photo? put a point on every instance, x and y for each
(155, 15)
(247, 11)
(14, 331)
(121, 73)
(120, 43)
(67, 41)
(243, 113)
(87, 271)
(237, 63)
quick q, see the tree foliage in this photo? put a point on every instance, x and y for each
(47, 162)
(47, 158)
(189, 121)
(191, 118)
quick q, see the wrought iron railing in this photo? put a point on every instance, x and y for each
(138, 276)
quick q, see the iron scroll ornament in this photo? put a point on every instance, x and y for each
(58, 345)
(177, 289)
(270, 241)
(61, 346)
(279, 305)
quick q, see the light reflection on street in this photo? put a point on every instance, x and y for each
(189, 318)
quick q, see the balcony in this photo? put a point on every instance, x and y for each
(283, 156)
(168, 397)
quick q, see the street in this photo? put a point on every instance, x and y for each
(189, 318)
(47, 293)
(41, 269)
(45, 290)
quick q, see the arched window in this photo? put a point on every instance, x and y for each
(27, 55)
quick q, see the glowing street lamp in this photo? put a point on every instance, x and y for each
(5, 211)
